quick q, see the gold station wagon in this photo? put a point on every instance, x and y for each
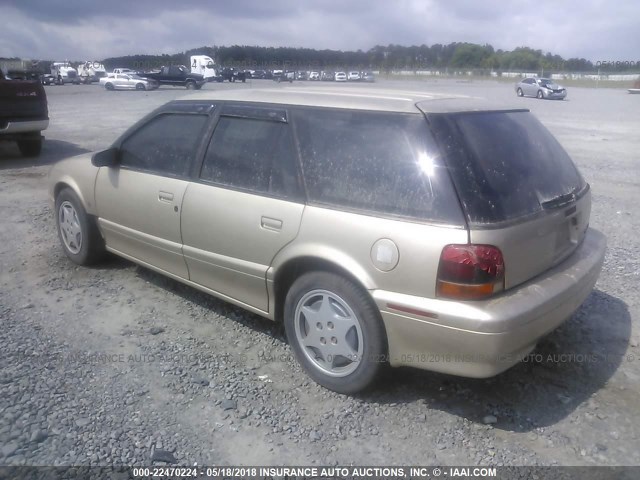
(382, 227)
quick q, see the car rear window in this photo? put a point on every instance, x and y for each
(383, 163)
(505, 165)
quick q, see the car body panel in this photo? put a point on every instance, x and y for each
(531, 247)
(139, 214)
(484, 338)
(78, 174)
(235, 264)
(348, 239)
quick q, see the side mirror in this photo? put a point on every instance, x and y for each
(106, 158)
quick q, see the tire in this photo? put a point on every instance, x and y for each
(108, 86)
(360, 334)
(520, 92)
(191, 85)
(140, 86)
(540, 95)
(30, 147)
(77, 231)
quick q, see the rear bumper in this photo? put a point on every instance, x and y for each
(481, 339)
(24, 126)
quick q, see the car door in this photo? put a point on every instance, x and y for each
(176, 76)
(118, 81)
(246, 205)
(139, 201)
(532, 88)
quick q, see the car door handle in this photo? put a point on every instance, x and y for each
(165, 196)
(269, 223)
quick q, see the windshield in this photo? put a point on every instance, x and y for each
(504, 164)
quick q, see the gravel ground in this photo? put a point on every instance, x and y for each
(117, 365)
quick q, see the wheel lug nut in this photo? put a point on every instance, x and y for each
(330, 325)
(319, 326)
(323, 341)
(334, 340)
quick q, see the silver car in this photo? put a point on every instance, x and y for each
(127, 81)
(383, 227)
(540, 88)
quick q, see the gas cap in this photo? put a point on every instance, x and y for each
(385, 255)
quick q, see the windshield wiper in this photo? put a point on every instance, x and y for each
(559, 201)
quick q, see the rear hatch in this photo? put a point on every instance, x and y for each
(518, 187)
(21, 100)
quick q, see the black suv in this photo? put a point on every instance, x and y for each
(23, 114)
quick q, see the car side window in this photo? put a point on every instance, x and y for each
(377, 162)
(254, 154)
(165, 145)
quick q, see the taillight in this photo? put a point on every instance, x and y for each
(470, 272)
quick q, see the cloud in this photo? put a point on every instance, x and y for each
(77, 29)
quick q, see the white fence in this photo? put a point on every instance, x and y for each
(630, 77)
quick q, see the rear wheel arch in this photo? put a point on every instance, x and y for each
(294, 268)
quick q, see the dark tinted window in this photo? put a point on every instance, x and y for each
(504, 165)
(167, 144)
(252, 154)
(379, 162)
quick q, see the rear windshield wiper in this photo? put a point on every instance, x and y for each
(559, 201)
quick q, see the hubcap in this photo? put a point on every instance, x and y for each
(329, 333)
(70, 230)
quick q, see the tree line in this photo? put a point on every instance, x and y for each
(454, 56)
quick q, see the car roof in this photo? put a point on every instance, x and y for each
(377, 99)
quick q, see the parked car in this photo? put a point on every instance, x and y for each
(340, 77)
(128, 82)
(314, 75)
(354, 77)
(327, 76)
(443, 234)
(283, 76)
(301, 75)
(367, 77)
(24, 114)
(541, 88)
(48, 79)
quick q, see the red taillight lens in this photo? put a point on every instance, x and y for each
(470, 272)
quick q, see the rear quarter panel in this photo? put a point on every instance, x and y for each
(346, 239)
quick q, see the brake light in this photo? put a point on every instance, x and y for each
(470, 272)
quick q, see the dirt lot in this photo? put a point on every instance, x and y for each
(107, 365)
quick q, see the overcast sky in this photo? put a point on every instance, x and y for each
(94, 30)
